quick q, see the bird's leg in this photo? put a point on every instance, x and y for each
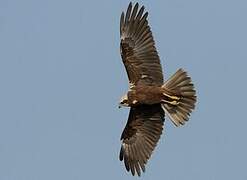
(171, 102)
(176, 98)
(171, 99)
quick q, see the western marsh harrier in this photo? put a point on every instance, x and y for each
(149, 97)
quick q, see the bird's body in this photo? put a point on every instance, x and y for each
(144, 95)
(149, 97)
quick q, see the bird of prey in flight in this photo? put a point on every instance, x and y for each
(148, 97)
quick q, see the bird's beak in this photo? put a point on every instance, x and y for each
(119, 106)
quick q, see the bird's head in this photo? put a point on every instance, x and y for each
(123, 101)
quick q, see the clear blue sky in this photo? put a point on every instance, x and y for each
(61, 78)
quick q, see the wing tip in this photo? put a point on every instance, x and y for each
(130, 5)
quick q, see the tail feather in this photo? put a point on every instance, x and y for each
(181, 86)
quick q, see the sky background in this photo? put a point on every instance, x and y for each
(61, 78)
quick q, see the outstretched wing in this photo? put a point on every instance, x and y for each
(140, 136)
(138, 50)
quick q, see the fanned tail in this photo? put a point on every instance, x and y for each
(179, 97)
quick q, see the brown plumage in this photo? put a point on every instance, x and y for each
(149, 97)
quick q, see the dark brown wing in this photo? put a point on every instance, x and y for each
(140, 136)
(138, 50)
